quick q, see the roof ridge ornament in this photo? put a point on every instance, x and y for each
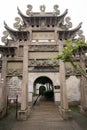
(4, 38)
(80, 34)
(28, 12)
(42, 8)
(68, 23)
(56, 10)
(19, 25)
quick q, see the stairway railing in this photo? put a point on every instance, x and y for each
(37, 100)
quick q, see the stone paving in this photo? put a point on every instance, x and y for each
(45, 116)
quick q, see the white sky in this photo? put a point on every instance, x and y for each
(77, 10)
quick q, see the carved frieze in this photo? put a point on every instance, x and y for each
(43, 48)
(43, 62)
(71, 71)
(13, 72)
(44, 69)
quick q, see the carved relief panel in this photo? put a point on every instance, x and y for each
(43, 48)
(43, 63)
(14, 88)
(14, 68)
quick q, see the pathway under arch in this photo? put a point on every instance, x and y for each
(43, 86)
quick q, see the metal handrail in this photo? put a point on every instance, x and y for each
(36, 100)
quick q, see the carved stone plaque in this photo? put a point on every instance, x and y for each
(43, 35)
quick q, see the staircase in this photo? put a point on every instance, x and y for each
(45, 111)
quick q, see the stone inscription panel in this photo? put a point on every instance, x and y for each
(43, 35)
(15, 65)
(43, 48)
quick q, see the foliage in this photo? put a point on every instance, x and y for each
(74, 107)
(67, 54)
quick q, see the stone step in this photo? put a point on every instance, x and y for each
(45, 111)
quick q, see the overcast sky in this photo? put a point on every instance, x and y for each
(77, 10)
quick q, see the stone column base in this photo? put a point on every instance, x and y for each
(83, 110)
(57, 103)
(66, 114)
(23, 114)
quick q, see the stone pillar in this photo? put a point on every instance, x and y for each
(3, 88)
(23, 113)
(64, 110)
(83, 84)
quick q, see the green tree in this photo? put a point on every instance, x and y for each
(67, 55)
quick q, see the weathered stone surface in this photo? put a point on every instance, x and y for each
(73, 88)
(29, 53)
(14, 88)
(43, 48)
(43, 63)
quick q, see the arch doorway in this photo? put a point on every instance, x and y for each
(44, 86)
(42, 90)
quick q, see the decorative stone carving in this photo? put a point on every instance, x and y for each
(14, 88)
(43, 63)
(68, 23)
(56, 10)
(43, 48)
(18, 24)
(44, 69)
(42, 8)
(80, 34)
(12, 72)
(42, 23)
(70, 71)
(28, 12)
(4, 39)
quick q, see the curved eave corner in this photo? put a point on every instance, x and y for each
(10, 30)
(21, 14)
(77, 28)
(64, 14)
(69, 33)
(13, 32)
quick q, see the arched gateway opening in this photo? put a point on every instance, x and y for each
(43, 86)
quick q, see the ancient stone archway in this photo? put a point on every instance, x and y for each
(29, 53)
